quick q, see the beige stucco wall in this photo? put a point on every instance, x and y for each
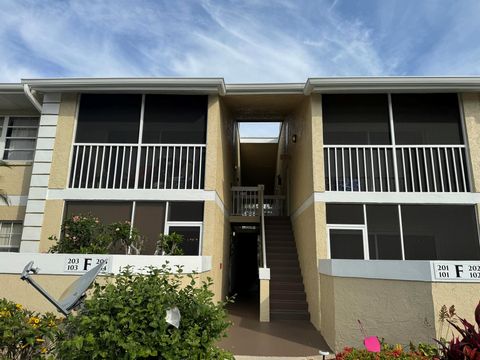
(63, 142)
(52, 223)
(12, 212)
(471, 111)
(327, 308)
(464, 296)
(15, 178)
(398, 311)
(218, 178)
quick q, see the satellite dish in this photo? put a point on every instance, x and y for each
(73, 296)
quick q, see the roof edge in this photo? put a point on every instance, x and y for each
(392, 83)
(6, 88)
(184, 85)
(265, 89)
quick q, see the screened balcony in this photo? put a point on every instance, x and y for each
(390, 143)
(139, 142)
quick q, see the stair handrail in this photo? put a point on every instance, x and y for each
(261, 190)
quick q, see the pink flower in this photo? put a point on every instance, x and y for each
(76, 218)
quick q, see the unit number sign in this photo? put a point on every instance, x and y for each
(457, 271)
(83, 263)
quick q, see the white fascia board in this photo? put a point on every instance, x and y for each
(265, 89)
(259, 140)
(392, 84)
(158, 85)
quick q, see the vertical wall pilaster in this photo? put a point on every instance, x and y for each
(42, 163)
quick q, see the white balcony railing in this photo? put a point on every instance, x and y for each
(137, 166)
(386, 168)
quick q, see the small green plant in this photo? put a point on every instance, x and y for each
(169, 244)
(26, 334)
(82, 234)
(125, 319)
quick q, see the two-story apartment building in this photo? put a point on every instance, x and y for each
(364, 207)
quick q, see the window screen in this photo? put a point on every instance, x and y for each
(185, 211)
(440, 232)
(106, 211)
(175, 119)
(345, 214)
(346, 244)
(149, 220)
(384, 232)
(109, 118)
(191, 238)
(427, 119)
(356, 119)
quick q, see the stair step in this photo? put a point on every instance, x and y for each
(289, 295)
(285, 285)
(288, 305)
(289, 315)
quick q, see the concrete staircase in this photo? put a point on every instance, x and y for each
(287, 294)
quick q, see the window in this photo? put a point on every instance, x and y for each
(185, 218)
(396, 232)
(18, 136)
(10, 236)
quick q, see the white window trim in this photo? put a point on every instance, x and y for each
(198, 224)
(361, 227)
(4, 121)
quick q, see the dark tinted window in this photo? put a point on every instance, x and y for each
(175, 119)
(426, 119)
(185, 211)
(384, 232)
(356, 119)
(109, 118)
(344, 214)
(346, 244)
(440, 232)
(191, 238)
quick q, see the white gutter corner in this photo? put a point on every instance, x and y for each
(32, 98)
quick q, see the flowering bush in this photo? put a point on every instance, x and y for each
(25, 334)
(82, 234)
(169, 244)
(125, 319)
(423, 351)
(85, 234)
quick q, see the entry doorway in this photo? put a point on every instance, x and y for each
(244, 283)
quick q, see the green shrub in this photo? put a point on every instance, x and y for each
(124, 236)
(125, 319)
(169, 244)
(25, 334)
(422, 351)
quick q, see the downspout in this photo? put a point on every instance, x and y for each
(32, 98)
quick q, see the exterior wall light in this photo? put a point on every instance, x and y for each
(294, 138)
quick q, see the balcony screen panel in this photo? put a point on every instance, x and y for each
(149, 220)
(384, 232)
(106, 211)
(440, 232)
(175, 119)
(356, 119)
(345, 214)
(185, 211)
(108, 118)
(426, 119)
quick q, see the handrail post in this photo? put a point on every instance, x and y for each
(261, 189)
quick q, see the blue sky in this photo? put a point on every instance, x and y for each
(242, 41)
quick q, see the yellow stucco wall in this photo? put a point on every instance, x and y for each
(15, 178)
(464, 296)
(52, 223)
(327, 308)
(218, 178)
(12, 212)
(63, 142)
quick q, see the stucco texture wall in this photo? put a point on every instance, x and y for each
(398, 311)
(63, 142)
(15, 178)
(218, 178)
(52, 223)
